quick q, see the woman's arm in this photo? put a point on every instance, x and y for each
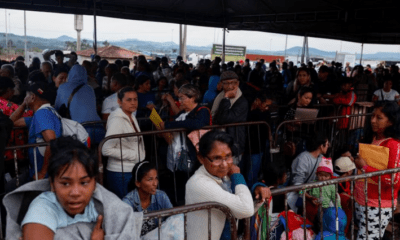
(202, 118)
(17, 115)
(394, 162)
(36, 231)
(112, 148)
(175, 109)
(240, 203)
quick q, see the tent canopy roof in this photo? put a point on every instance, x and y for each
(350, 20)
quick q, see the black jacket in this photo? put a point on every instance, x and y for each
(196, 119)
(235, 114)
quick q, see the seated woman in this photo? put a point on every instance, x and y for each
(298, 132)
(71, 205)
(386, 93)
(123, 120)
(303, 100)
(217, 180)
(303, 79)
(143, 195)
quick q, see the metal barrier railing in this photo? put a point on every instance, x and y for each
(154, 156)
(336, 135)
(194, 208)
(17, 174)
(352, 180)
(27, 146)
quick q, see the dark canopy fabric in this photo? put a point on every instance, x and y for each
(350, 20)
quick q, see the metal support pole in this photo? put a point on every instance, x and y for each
(307, 52)
(26, 48)
(362, 51)
(286, 46)
(184, 41)
(303, 50)
(6, 47)
(95, 28)
(180, 40)
(223, 46)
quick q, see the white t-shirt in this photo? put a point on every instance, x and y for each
(388, 96)
(110, 104)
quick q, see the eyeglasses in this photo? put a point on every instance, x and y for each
(217, 160)
(233, 83)
(183, 98)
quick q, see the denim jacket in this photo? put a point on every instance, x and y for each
(159, 201)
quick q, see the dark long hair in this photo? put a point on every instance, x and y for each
(138, 172)
(65, 151)
(392, 111)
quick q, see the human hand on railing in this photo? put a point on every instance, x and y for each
(360, 162)
(262, 194)
(291, 128)
(316, 201)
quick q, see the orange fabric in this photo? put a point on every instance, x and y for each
(386, 190)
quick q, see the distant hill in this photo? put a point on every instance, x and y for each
(167, 47)
(65, 38)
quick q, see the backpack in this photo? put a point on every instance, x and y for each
(72, 128)
(64, 109)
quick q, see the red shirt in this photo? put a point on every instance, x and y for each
(18, 136)
(386, 180)
(346, 101)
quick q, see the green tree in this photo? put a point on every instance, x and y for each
(106, 43)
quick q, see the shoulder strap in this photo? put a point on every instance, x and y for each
(73, 93)
(208, 112)
(383, 99)
(312, 171)
(133, 123)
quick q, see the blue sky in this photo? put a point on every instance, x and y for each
(51, 25)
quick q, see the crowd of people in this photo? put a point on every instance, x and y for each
(221, 167)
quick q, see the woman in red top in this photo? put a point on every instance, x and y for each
(18, 136)
(384, 131)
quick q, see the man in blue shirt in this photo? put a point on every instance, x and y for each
(44, 126)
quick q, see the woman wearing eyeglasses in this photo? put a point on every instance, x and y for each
(217, 180)
(192, 117)
(181, 155)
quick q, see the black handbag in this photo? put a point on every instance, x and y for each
(185, 164)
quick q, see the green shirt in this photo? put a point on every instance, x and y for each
(328, 196)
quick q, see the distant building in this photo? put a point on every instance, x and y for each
(267, 58)
(110, 53)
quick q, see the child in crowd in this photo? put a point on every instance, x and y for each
(258, 137)
(330, 222)
(275, 176)
(324, 172)
(345, 167)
